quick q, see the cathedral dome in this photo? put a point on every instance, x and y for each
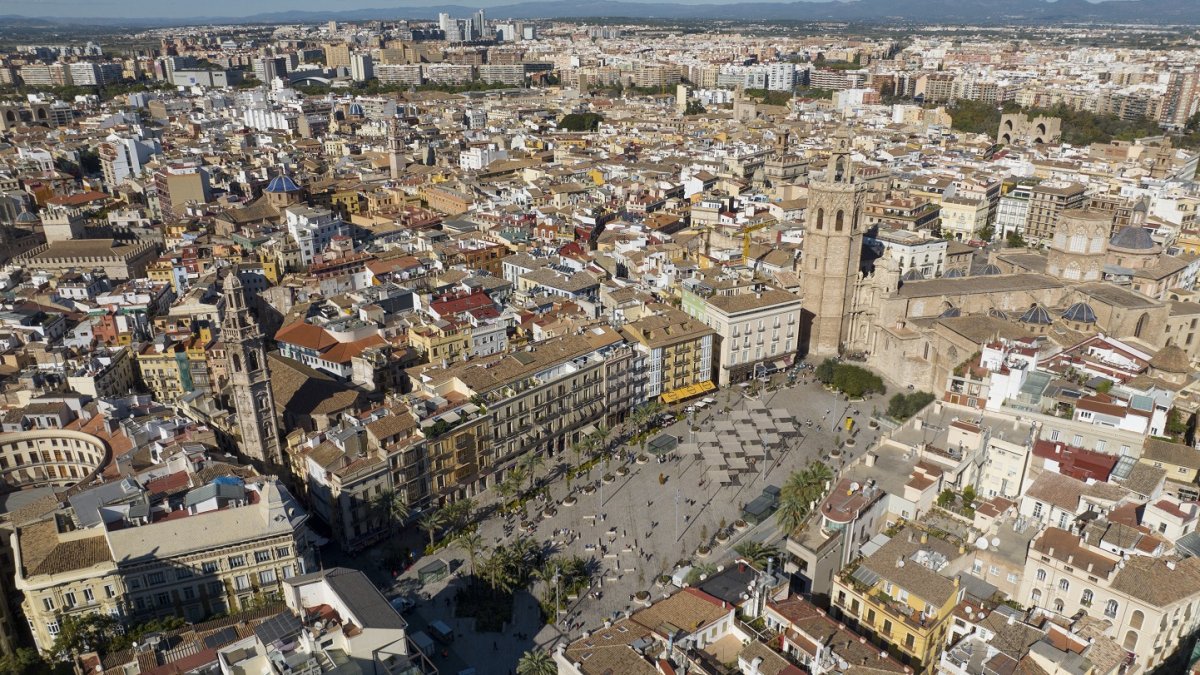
(1036, 315)
(282, 183)
(989, 270)
(953, 273)
(1080, 312)
(1132, 238)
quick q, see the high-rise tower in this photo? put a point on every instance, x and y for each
(246, 362)
(832, 251)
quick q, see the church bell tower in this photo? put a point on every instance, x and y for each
(833, 236)
(246, 363)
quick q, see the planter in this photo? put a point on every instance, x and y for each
(741, 525)
(873, 424)
(549, 513)
(569, 500)
(662, 581)
(622, 471)
(589, 489)
(642, 598)
(849, 444)
(722, 537)
(608, 478)
(642, 459)
(703, 551)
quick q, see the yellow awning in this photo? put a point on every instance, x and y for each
(690, 391)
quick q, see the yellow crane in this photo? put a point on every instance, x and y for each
(746, 232)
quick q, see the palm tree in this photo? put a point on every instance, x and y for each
(458, 514)
(757, 553)
(391, 506)
(472, 543)
(431, 522)
(536, 662)
(531, 462)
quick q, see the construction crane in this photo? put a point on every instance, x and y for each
(746, 232)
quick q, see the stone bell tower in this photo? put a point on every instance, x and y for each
(833, 236)
(249, 379)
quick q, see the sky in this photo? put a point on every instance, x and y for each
(232, 8)
(173, 9)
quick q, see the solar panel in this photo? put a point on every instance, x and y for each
(282, 627)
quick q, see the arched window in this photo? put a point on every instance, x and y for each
(1058, 606)
(820, 219)
(1087, 596)
(1036, 596)
(1141, 325)
(1130, 643)
(838, 222)
(1110, 609)
(237, 363)
(1064, 585)
(840, 169)
(1136, 619)
(252, 360)
(1041, 575)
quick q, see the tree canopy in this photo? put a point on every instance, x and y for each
(580, 122)
(849, 379)
(904, 406)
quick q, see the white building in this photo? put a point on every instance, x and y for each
(312, 229)
(475, 159)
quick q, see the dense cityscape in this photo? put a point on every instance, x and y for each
(478, 345)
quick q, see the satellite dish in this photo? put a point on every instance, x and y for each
(982, 544)
(995, 542)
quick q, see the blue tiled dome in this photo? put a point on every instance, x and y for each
(913, 274)
(356, 109)
(282, 183)
(1037, 315)
(1080, 312)
(1135, 238)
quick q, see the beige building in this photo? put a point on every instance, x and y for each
(679, 352)
(212, 550)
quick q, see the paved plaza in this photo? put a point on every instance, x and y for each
(641, 524)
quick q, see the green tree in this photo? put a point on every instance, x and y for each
(757, 553)
(391, 507)
(1104, 387)
(904, 406)
(536, 662)
(799, 492)
(968, 495)
(946, 498)
(81, 633)
(432, 522)
(472, 543)
(825, 371)
(694, 107)
(26, 661)
(1015, 240)
(1176, 424)
(580, 122)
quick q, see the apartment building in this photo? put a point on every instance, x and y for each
(679, 351)
(1047, 201)
(171, 369)
(903, 595)
(116, 550)
(1149, 596)
(542, 399)
(849, 516)
(312, 229)
(758, 327)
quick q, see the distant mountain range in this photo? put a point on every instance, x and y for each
(983, 12)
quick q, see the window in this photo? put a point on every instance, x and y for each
(1086, 598)
(1062, 521)
(48, 603)
(1110, 609)
(977, 567)
(262, 556)
(154, 578)
(88, 596)
(241, 582)
(52, 627)
(887, 627)
(1041, 575)
(266, 577)
(1037, 509)
(109, 592)
(162, 599)
(209, 567)
(69, 599)
(183, 573)
(1012, 578)
(1064, 585)
(236, 561)
(909, 641)
(189, 593)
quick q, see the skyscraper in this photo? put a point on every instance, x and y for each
(478, 22)
(832, 251)
(253, 400)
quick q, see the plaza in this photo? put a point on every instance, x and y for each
(650, 519)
